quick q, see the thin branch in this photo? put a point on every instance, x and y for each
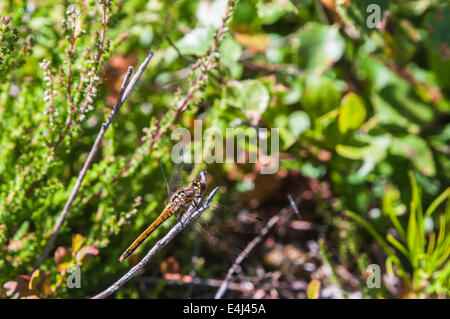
(183, 57)
(294, 206)
(192, 213)
(127, 86)
(186, 59)
(272, 221)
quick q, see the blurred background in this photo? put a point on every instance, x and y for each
(359, 91)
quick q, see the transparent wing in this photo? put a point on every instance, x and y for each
(176, 178)
(169, 192)
(217, 239)
(239, 221)
(227, 230)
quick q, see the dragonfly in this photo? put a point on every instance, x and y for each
(180, 198)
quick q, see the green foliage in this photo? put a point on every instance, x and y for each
(426, 250)
(357, 109)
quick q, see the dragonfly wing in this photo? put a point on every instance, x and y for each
(240, 221)
(218, 239)
(176, 178)
(169, 192)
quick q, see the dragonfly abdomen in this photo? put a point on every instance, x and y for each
(178, 203)
(167, 212)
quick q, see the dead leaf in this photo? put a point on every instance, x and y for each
(63, 258)
(255, 43)
(313, 290)
(34, 279)
(86, 253)
(9, 288)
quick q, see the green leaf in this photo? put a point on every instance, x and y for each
(397, 245)
(415, 149)
(21, 231)
(390, 196)
(445, 194)
(351, 152)
(77, 241)
(295, 93)
(281, 122)
(311, 171)
(230, 52)
(253, 98)
(352, 113)
(373, 70)
(438, 22)
(418, 203)
(195, 42)
(320, 47)
(412, 230)
(298, 122)
(270, 12)
(389, 115)
(320, 96)
(412, 8)
(371, 230)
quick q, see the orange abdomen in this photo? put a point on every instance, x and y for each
(167, 212)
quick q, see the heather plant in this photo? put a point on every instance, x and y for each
(359, 107)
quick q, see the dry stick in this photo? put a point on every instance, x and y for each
(272, 221)
(183, 57)
(294, 206)
(125, 90)
(192, 213)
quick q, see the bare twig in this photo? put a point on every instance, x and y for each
(192, 213)
(183, 57)
(186, 59)
(127, 86)
(294, 206)
(272, 221)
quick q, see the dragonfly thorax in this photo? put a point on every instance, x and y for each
(186, 195)
(179, 199)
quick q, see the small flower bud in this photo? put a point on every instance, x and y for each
(5, 20)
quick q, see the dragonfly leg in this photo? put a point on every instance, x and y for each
(196, 205)
(178, 218)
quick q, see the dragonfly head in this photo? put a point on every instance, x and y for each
(203, 176)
